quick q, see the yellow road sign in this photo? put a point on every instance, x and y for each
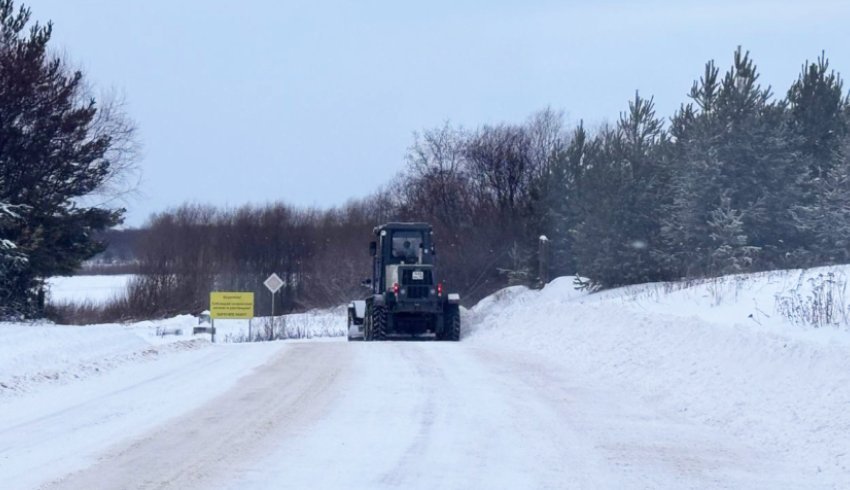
(224, 304)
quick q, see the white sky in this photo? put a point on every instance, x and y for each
(315, 102)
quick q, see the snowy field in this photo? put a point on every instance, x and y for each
(725, 383)
(81, 289)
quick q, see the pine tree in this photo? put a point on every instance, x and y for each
(826, 220)
(819, 119)
(733, 150)
(819, 107)
(12, 261)
(759, 165)
(623, 186)
(54, 149)
(647, 146)
(730, 253)
(684, 218)
(597, 209)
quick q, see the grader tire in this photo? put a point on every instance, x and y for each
(379, 323)
(451, 326)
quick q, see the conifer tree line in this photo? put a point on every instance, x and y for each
(737, 180)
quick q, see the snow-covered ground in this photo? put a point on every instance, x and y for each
(80, 289)
(717, 354)
(34, 355)
(718, 384)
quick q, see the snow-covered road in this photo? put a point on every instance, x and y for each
(704, 385)
(370, 415)
(59, 429)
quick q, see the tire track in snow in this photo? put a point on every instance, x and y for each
(87, 405)
(422, 369)
(197, 449)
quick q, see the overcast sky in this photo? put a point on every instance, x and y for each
(314, 103)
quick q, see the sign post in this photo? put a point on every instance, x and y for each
(543, 265)
(273, 284)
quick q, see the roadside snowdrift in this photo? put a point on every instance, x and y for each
(718, 353)
(33, 355)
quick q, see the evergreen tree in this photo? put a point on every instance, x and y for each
(730, 253)
(818, 116)
(565, 207)
(11, 261)
(684, 219)
(734, 156)
(826, 220)
(54, 150)
(597, 212)
(622, 189)
(818, 108)
(760, 167)
(644, 146)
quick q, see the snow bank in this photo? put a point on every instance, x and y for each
(319, 323)
(718, 353)
(33, 355)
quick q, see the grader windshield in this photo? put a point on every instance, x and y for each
(406, 246)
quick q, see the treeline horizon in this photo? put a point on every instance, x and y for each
(738, 179)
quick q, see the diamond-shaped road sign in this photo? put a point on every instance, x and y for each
(273, 283)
